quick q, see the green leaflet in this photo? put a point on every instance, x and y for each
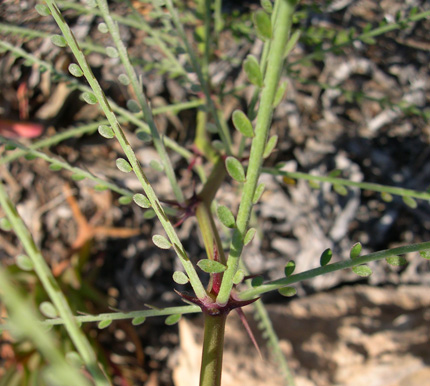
(211, 266)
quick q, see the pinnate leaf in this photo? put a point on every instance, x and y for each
(161, 242)
(211, 266)
(226, 216)
(242, 123)
(252, 70)
(235, 169)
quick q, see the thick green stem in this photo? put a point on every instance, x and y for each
(282, 27)
(213, 345)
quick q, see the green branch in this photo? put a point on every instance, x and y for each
(276, 284)
(276, 58)
(143, 103)
(134, 163)
(128, 315)
(52, 288)
(22, 321)
(362, 185)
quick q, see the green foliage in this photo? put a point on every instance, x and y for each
(287, 291)
(180, 277)
(326, 257)
(235, 169)
(211, 266)
(242, 123)
(226, 216)
(161, 242)
(289, 268)
(171, 39)
(355, 251)
(252, 70)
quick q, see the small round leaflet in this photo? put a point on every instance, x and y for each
(161, 242)
(172, 319)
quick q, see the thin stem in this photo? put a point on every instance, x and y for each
(53, 290)
(341, 181)
(128, 315)
(66, 166)
(130, 117)
(137, 88)
(131, 156)
(276, 284)
(23, 318)
(275, 63)
(220, 124)
(213, 345)
(265, 324)
(363, 36)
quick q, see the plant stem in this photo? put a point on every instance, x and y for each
(341, 181)
(281, 33)
(53, 290)
(131, 156)
(213, 345)
(143, 103)
(220, 124)
(310, 274)
(22, 319)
